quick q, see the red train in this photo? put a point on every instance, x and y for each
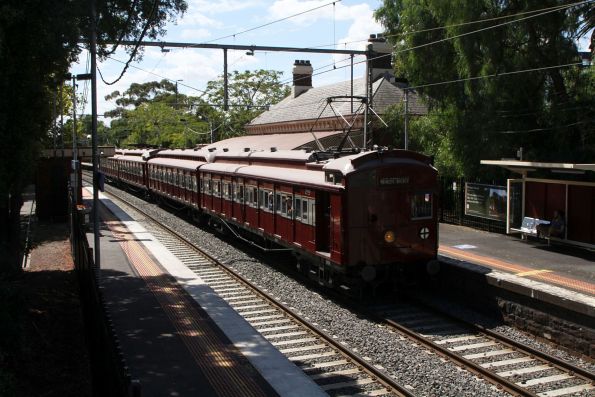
(346, 217)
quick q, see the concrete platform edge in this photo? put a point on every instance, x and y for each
(284, 376)
(566, 299)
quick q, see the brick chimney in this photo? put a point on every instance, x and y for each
(379, 64)
(302, 77)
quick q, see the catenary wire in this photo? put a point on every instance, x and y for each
(270, 23)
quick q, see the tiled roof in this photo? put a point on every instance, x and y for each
(311, 103)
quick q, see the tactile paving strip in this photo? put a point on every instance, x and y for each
(546, 276)
(221, 363)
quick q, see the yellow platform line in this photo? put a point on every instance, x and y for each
(549, 277)
(533, 272)
(215, 359)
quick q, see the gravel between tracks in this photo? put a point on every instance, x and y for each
(412, 365)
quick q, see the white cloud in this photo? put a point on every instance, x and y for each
(195, 34)
(339, 11)
(197, 18)
(221, 6)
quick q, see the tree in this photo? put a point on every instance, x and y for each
(545, 111)
(250, 93)
(38, 41)
(154, 114)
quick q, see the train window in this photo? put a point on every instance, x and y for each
(312, 220)
(254, 197)
(229, 191)
(305, 211)
(278, 203)
(238, 191)
(421, 205)
(216, 185)
(298, 208)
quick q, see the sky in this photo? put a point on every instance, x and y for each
(347, 22)
(344, 24)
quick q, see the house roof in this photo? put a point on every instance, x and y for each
(311, 103)
(266, 142)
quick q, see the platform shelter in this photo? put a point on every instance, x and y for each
(566, 187)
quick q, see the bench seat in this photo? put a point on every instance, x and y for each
(529, 226)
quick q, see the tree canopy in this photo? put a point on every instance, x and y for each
(156, 114)
(38, 42)
(548, 111)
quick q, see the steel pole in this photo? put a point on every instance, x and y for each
(406, 120)
(93, 50)
(74, 153)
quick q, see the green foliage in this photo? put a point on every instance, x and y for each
(547, 112)
(155, 114)
(38, 41)
(250, 93)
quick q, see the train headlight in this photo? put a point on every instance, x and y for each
(389, 236)
(424, 233)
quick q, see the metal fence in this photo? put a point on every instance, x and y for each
(452, 208)
(110, 375)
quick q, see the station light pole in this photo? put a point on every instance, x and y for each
(95, 155)
(75, 163)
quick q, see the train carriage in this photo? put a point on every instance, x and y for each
(347, 217)
(175, 179)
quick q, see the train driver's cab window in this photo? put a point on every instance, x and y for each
(421, 205)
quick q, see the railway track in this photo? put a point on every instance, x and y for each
(516, 368)
(336, 368)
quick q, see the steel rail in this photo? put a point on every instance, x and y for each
(379, 376)
(502, 339)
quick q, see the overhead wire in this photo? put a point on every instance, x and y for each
(271, 23)
(554, 8)
(136, 47)
(160, 76)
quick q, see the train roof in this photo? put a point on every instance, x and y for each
(130, 158)
(179, 163)
(306, 178)
(352, 163)
(131, 152)
(287, 141)
(191, 153)
(285, 155)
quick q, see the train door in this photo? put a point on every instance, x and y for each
(266, 203)
(323, 220)
(251, 204)
(336, 232)
(238, 199)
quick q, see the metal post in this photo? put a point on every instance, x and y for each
(225, 91)
(367, 98)
(93, 50)
(351, 83)
(406, 119)
(61, 116)
(74, 153)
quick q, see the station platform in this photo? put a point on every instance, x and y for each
(177, 336)
(557, 265)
